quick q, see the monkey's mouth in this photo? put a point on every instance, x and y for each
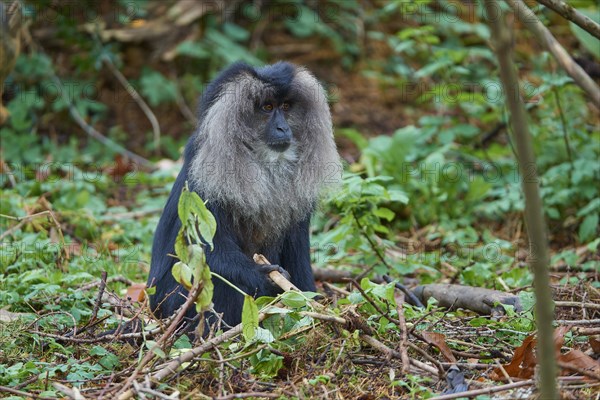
(279, 146)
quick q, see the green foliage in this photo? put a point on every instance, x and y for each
(446, 180)
(198, 223)
(266, 364)
(414, 386)
(157, 88)
(249, 318)
(198, 226)
(364, 207)
(222, 43)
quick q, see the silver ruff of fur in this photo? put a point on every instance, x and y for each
(265, 189)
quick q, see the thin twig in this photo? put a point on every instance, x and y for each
(26, 218)
(130, 214)
(373, 246)
(578, 322)
(578, 304)
(98, 297)
(376, 344)
(403, 332)
(183, 107)
(543, 35)
(265, 395)
(8, 172)
(7, 389)
(137, 98)
(91, 131)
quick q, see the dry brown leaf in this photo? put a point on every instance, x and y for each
(559, 337)
(522, 364)
(578, 359)
(136, 292)
(439, 340)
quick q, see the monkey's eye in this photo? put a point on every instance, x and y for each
(285, 106)
(267, 107)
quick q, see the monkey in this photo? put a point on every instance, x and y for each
(261, 155)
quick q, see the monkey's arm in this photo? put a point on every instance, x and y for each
(229, 261)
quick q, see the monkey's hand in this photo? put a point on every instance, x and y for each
(268, 268)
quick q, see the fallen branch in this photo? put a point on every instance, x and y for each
(403, 332)
(481, 300)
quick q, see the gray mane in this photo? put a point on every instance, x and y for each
(262, 189)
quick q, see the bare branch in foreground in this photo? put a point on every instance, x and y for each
(543, 35)
(568, 12)
(534, 217)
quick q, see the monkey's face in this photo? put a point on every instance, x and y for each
(275, 123)
(277, 134)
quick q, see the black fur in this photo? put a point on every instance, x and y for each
(231, 256)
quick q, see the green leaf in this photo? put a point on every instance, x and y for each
(157, 88)
(277, 310)
(293, 299)
(197, 258)
(236, 32)
(182, 274)
(478, 189)
(384, 213)
(206, 221)
(398, 196)
(184, 206)
(181, 247)
(266, 363)
(355, 136)
(590, 207)
(98, 351)
(152, 346)
(264, 335)
(588, 228)
(249, 318)
(192, 49)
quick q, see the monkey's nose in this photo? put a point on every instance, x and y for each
(281, 138)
